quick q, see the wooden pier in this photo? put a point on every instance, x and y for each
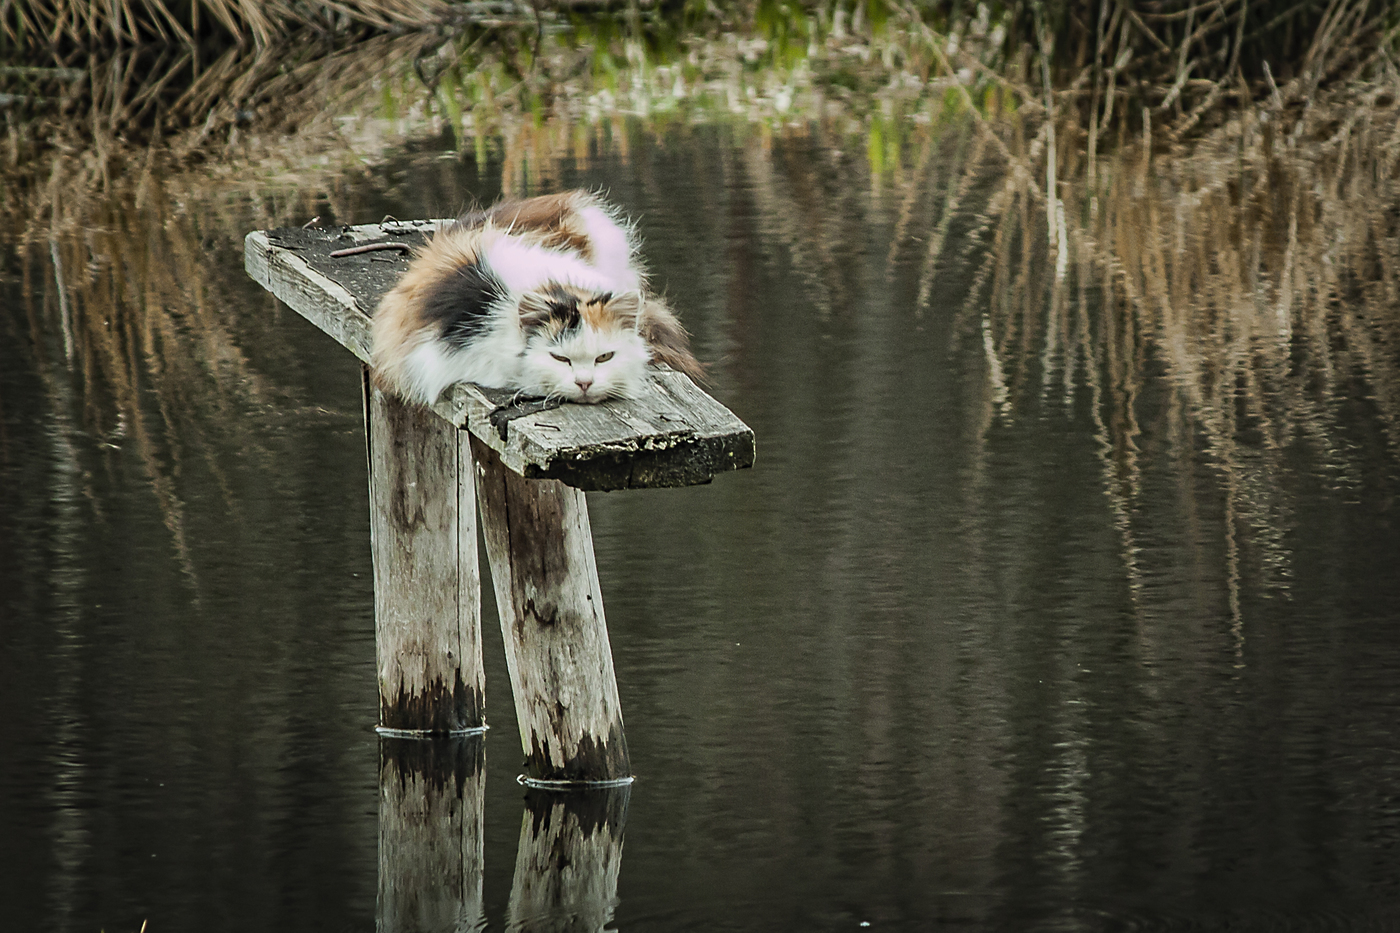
(523, 466)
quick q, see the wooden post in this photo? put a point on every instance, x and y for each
(540, 549)
(427, 586)
(431, 795)
(569, 859)
(423, 514)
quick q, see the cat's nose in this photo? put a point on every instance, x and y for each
(583, 384)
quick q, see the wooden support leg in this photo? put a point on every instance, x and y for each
(541, 553)
(431, 796)
(427, 586)
(569, 859)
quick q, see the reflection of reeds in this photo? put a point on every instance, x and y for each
(1233, 297)
(1261, 249)
(130, 337)
(126, 332)
(1258, 271)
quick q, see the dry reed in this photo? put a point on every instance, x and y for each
(1248, 252)
(1256, 273)
(56, 24)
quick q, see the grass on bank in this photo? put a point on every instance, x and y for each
(77, 27)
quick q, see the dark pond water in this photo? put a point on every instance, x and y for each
(1008, 629)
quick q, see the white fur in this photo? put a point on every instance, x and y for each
(524, 267)
(505, 356)
(493, 359)
(614, 250)
(582, 378)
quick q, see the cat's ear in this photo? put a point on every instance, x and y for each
(627, 306)
(535, 310)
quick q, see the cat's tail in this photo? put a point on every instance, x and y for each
(668, 340)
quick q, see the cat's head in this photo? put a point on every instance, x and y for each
(582, 345)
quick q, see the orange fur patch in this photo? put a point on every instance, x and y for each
(398, 325)
(550, 220)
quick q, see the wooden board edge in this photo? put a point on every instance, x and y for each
(681, 460)
(686, 458)
(321, 300)
(695, 462)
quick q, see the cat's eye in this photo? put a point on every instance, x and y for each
(562, 359)
(605, 357)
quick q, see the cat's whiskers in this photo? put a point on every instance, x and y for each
(559, 277)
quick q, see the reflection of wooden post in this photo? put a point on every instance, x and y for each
(430, 839)
(427, 588)
(551, 607)
(569, 859)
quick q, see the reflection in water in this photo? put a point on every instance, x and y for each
(569, 860)
(152, 477)
(431, 858)
(1063, 590)
(431, 846)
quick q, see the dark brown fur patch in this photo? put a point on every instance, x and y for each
(553, 309)
(606, 311)
(669, 342)
(548, 216)
(556, 309)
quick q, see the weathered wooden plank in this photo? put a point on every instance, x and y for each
(431, 851)
(673, 435)
(427, 589)
(540, 549)
(336, 296)
(569, 860)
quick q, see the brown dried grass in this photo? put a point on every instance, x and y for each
(1256, 271)
(1254, 259)
(123, 23)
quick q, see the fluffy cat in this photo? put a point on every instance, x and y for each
(545, 296)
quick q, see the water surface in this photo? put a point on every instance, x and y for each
(1012, 626)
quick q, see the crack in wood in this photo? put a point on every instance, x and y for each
(501, 417)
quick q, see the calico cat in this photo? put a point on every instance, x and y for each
(545, 296)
